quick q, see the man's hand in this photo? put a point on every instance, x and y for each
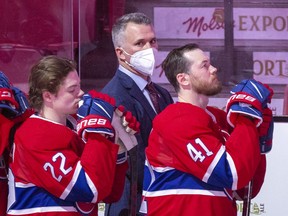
(126, 126)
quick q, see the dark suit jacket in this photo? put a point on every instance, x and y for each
(127, 93)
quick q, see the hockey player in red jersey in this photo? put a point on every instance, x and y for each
(13, 109)
(54, 170)
(200, 158)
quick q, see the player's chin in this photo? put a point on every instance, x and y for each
(75, 107)
(77, 104)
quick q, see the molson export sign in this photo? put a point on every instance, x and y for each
(249, 24)
(208, 23)
(268, 67)
(271, 67)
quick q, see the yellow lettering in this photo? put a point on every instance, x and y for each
(255, 209)
(239, 206)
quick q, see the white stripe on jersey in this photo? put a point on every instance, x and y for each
(233, 171)
(184, 192)
(42, 210)
(23, 185)
(67, 190)
(213, 164)
(92, 187)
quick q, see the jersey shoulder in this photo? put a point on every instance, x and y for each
(37, 133)
(219, 116)
(181, 115)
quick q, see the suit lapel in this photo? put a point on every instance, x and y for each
(162, 101)
(136, 93)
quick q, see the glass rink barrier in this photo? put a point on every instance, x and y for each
(33, 29)
(243, 39)
(272, 198)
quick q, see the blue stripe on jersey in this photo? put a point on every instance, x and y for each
(221, 175)
(173, 179)
(81, 191)
(35, 197)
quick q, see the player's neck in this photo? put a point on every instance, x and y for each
(194, 99)
(51, 115)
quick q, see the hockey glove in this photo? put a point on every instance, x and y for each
(126, 126)
(8, 104)
(266, 131)
(21, 99)
(95, 114)
(267, 127)
(24, 110)
(262, 92)
(269, 99)
(249, 98)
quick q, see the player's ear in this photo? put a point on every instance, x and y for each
(47, 96)
(183, 79)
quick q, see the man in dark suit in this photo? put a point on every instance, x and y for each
(135, 46)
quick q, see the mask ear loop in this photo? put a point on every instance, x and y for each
(128, 55)
(129, 64)
(125, 52)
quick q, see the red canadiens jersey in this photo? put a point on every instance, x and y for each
(193, 164)
(5, 127)
(52, 169)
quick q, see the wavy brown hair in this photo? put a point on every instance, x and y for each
(47, 75)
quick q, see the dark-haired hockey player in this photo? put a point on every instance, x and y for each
(197, 164)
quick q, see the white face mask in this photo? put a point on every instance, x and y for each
(143, 61)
